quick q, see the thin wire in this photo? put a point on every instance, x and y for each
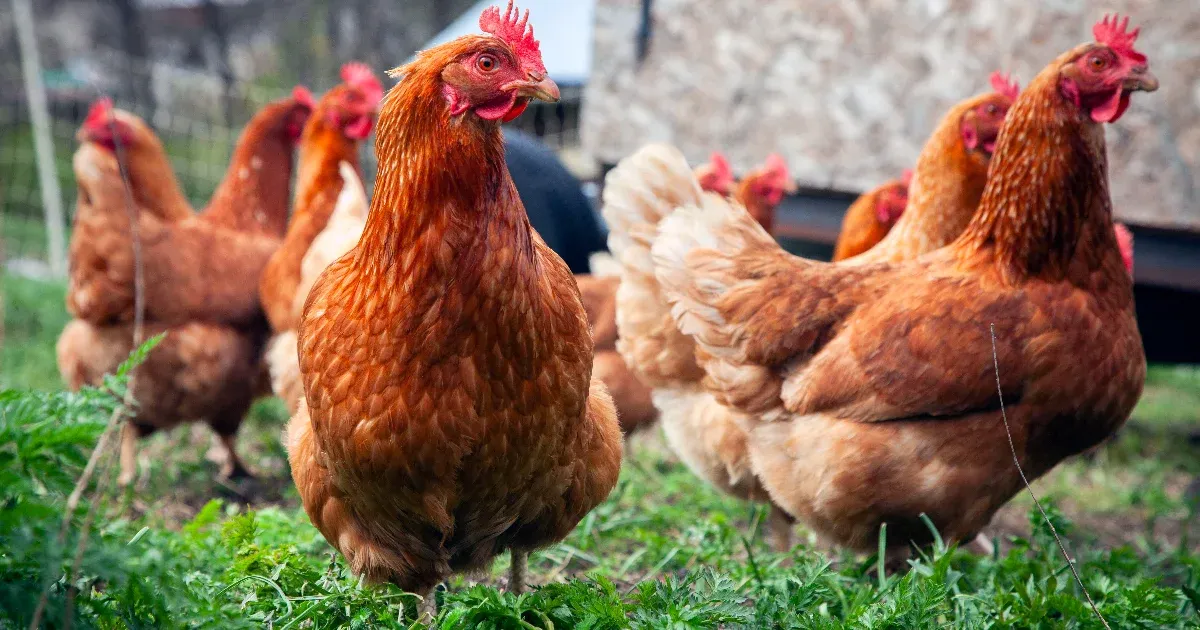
(122, 410)
(1016, 460)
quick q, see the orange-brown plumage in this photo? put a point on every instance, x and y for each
(870, 218)
(450, 412)
(869, 391)
(343, 117)
(948, 180)
(200, 284)
(253, 195)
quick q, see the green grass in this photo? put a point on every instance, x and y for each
(664, 551)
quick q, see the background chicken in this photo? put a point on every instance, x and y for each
(202, 370)
(450, 413)
(948, 180)
(858, 418)
(152, 181)
(871, 216)
(715, 175)
(340, 235)
(342, 120)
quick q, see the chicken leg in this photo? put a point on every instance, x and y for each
(779, 529)
(129, 439)
(516, 580)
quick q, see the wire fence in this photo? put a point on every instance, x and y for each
(197, 115)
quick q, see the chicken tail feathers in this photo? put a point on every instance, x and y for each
(713, 264)
(641, 191)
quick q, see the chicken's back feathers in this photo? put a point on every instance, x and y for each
(603, 264)
(192, 270)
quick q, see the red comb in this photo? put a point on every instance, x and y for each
(1114, 32)
(1004, 85)
(906, 177)
(100, 111)
(302, 96)
(516, 31)
(776, 165)
(359, 76)
(720, 164)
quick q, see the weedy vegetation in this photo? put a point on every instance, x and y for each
(179, 550)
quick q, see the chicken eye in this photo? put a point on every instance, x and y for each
(487, 63)
(1098, 63)
(991, 109)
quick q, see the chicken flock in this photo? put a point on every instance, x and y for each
(456, 393)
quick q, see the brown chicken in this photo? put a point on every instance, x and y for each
(196, 268)
(871, 217)
(948, 181)
(450, 412)
(343, 118)
(202, 370)
(152, 182)
(869, 391)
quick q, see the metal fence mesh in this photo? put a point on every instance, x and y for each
(198, 116)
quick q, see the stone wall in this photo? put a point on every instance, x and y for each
(848, 90)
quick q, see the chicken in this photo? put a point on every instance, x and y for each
(449, 408)
(762, 189)
(152, 182)
(760, 192)
(341, 233)
(715, 175)
(856, 413)
(949, 177)
(871, 216)
(343, 118)
(202, 370)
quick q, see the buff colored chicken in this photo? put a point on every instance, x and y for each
(648, 186)
(760, 192)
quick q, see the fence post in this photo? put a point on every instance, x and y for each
(43, 143)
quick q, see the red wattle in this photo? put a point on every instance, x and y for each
(517, 110)
(1110, 110)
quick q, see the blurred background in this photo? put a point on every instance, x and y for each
(846, 90)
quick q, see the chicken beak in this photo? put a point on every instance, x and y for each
(541, 88)
(1141, 79)
(791, 187)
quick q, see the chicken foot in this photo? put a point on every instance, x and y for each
(427, 609)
